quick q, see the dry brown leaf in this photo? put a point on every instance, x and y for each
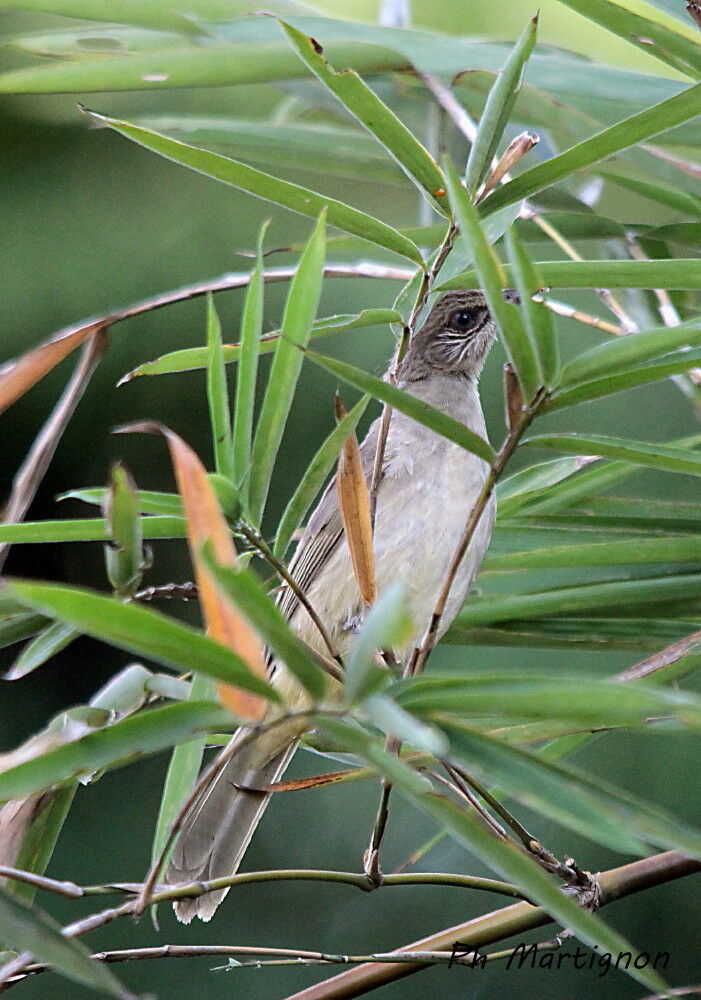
(18, 376)
(517, 148)
(205, 522)
(354, 503)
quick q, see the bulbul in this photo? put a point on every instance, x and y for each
(426, 491)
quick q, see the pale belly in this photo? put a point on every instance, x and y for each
(419, 522)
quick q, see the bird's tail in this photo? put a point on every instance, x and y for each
(221, 822)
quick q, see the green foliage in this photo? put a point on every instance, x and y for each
(570, 566)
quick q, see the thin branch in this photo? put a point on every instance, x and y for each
(33, 469)
(461, 787)
(186, 591)
(68, 889)
(255, 539)
(497, 926)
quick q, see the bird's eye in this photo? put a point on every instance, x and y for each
(462, 319)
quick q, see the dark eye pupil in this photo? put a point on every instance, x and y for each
(462, 319)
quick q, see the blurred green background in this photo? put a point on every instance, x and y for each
(90, 222)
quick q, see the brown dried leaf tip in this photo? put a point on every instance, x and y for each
(354, 504)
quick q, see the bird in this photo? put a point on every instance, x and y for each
(427, 487)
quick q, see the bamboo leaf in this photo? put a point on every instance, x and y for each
(218, 395)
(262, 185)
(354, 506)
(193, 358)
(300, 309)
(92, 529)
(50, 641)
(497, 109)
(362, 102)
(670, 274)
(587, 599)
(637, 128)
(417, 409)
(245, 591)
(519, 348)
(144, 733)
(26, 928)
(387, 624)
(670, 41)
(314, 477)
(539, 320)
(140, 631)
(625, 352)
(633, 550)
(638, 452)
(247, 372)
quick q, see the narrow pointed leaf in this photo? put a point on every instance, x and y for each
(205, 522)
(27, 928)
(300, 310)
(192, 358)
(497, 108)
(247, 372)
(150, 501)
(681, 201)
(381, 121)
(92, 529)
(218, 395)
(517, 490)
(625, 352)
(637, 128)
(519, 348)
(248, 594)
(140, 631)
(143, 733)
(42, 647)
(354, 506)
(670, 274)
(675, 45)
(387, 624)
(539, 320)
(262, 185)
(638, 452)
(315, 476)
(398, 399)
(635, 550)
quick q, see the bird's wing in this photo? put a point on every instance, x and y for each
(324, 531)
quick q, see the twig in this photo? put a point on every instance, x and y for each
(33, 469)
(462, 788)
(492, 927)
(255, 539)
(168, 591)
(68, 889)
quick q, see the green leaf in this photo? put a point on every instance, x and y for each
(670, 364)
(588, 633)
(185, 763)
(516, 491)
(141, 631)
(393, 720)
(40, 840)
(16, 627)
(26, 928)
(681, 201)
(42, 647)
(193, 358)
(540, 322)
(677, 273)
(362, 102)
(262, 185)
(516, 695)
(150, 501)
(502, 856)
(417, 409)
(92, 529)
(497, 109)
(315, 476)
(247, 372)
(519, 348)
(144, 733)
(637, 452)
(586, 599)
(601, 812)
(637, 128)
(124, 552)
(218, 395)
(625, 352)
(677, 46)
(386, 625)
(633, 550)
(300, 309)
(244, 590)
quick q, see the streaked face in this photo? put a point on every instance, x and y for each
(455, 338)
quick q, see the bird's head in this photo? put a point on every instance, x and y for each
(454, 340)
